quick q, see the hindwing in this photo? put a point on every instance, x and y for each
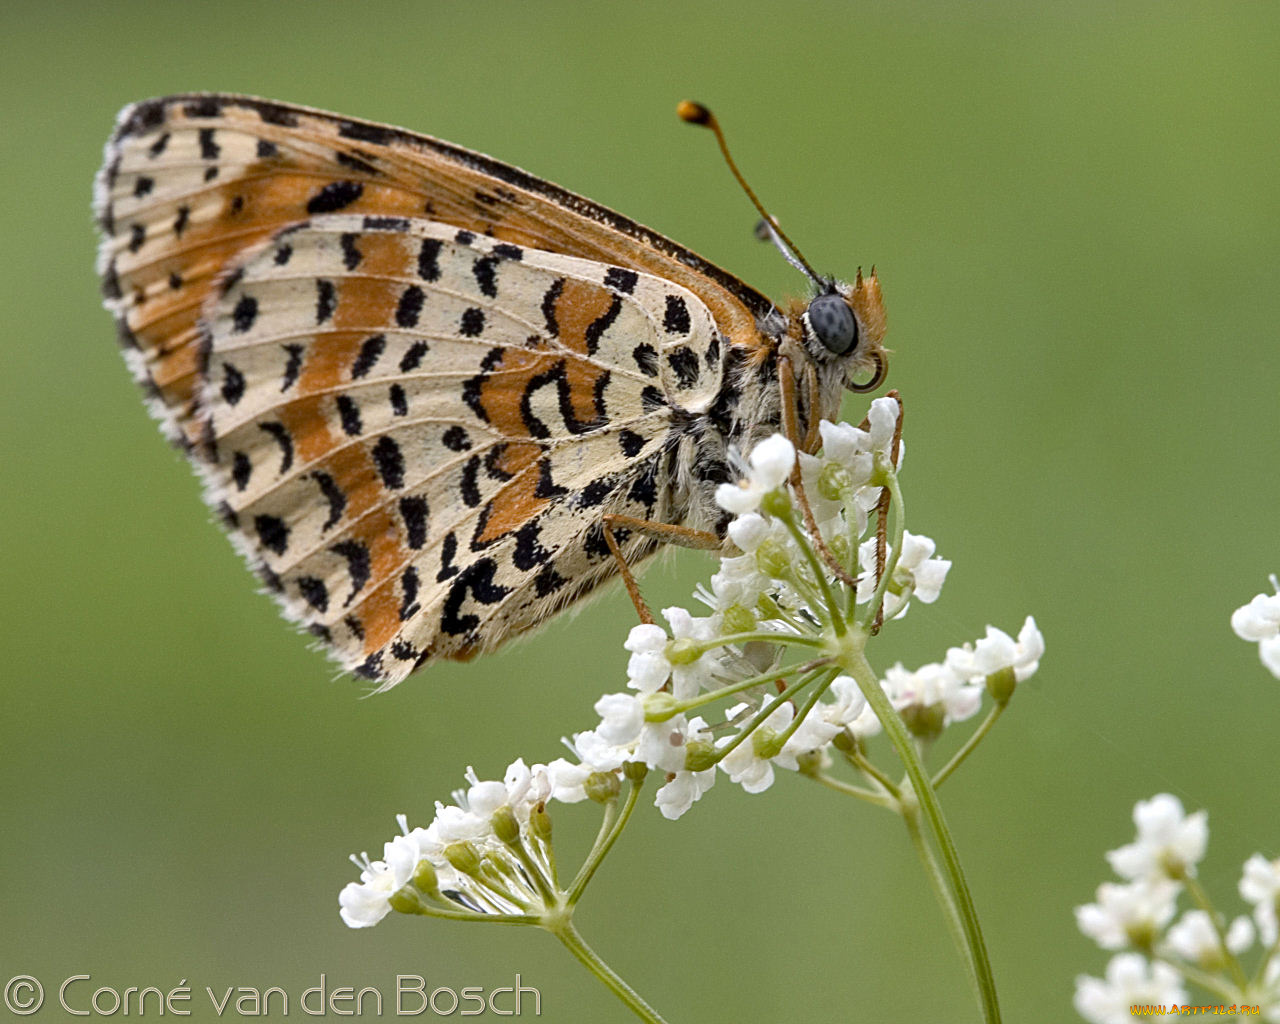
(413, 430)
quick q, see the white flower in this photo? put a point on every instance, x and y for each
(662, 744)
(647, 668)
(1170, 842)
(750, 763)
(931, 686)
(916, 574)
(771, 461)
(1128, 915)
(621, 717)
(688, 680)
(997, 651)
(1195, 939)
(1130, 981)
(682, 792)
(568, 780)
(1259, 621)
(848, 704)
(363, 904)
(1260, 885)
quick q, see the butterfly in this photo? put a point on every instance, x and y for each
(420, 384)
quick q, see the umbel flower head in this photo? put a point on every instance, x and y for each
(768, 677)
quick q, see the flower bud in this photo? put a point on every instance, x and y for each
(834, 481)
(424, 878)
(683, 651)
(773, 560)
(1001, 685)
(602, 787)
(464, 856)
(738, 619)
(505, 826)
(809, 763)
(777, 504)
(660, 706)
(766, 742)
(406, 900)
(635, 771)
(699, 755)
(540, 822)
(925, 722)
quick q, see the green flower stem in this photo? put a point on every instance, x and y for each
(970, 745)
(1202, 900)
(534, 870)
(609, 832)
(693, 703)
(761, 636)
(1209, 982)
(813, 698)
(494, 918)
(563, 929)
(895, 548)
(857, 792)
(909, 808)
(788, 694)
(863, 765)
(855, 663)
(819, 573)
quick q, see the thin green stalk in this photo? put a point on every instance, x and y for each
(712, 696)
(854, 662)
(604, 842)
(1202, 900)
(819, 573)
(564, 930)
(895, 548)
(910, 811)
(970, 745)
(857, 792)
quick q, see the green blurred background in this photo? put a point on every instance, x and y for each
(1074, 211)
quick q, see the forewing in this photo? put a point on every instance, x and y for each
(413, 431)
(190, 182)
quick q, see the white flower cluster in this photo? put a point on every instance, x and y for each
(1138, 916)
(486, 853)
(1259, 621)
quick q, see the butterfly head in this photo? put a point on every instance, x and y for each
(844, 324)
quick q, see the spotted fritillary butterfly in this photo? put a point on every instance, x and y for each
(415, 379)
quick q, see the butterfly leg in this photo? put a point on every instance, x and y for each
(882, 511)
(787, 384)
(669, 533)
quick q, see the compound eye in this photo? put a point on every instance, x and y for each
(831, 319)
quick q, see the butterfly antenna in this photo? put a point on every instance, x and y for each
(696, 113)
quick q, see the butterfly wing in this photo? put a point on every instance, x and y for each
(190, 182)
(412, 431)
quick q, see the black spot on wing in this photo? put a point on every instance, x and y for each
(507, 251)
(646, 357)
(349, 414)
(529, 553)
(314, 592)
(333, 495)
(373, 223)
(413, 510)
(356, 161)
(484, 270)
(232, 384)
(448, 551)
(292, 366)
(399, 402)
(241, 470)
(409, 589)
(370, 351)
(275, 113)
(630, 443)
(272, 532)
(389, 461)
(429, 259)
(621, 280)
(413, 357)
(676, 319)
(335, 196)
(358, 563)
(326, 299)
(209, 149)
(684, 364)
(456, 439)
(283, 438)
(267, 149)
(364, 132)
(549, 300)
(410, 306)
(469, 485)
(602, 323)
(351, 255)
(478, 579)
(472, 322)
